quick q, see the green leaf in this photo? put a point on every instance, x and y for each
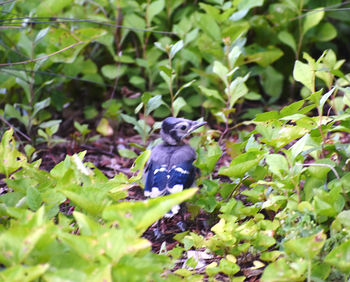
(10, 158)
(41, 34)
(141, 215)
(288, 39)
(283, 270)
(33, 198)
(154, 103)
(209, 26)
(41, 105)
(215, 94)
(263, 56)
(139, 164)
(126, 153)
(176, 48)
(221, 71)
(242, 164)
(104, 127)
(52, 7)
(312, 19)
(339, 257)
(278, 164)
(110, 71)
(154, 9)
(179, 103)
(186, 85)
(305, 74)
(237, 89)
(326, 32)
(307, 247)
(23, 273)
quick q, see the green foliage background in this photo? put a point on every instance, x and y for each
(229, 61)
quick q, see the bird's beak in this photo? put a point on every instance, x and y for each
(194, 126)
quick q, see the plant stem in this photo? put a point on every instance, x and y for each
(171, 85)
(309, 270)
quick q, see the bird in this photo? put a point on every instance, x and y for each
(170, 167)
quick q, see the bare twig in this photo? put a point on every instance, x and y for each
(7, 2)
(43, 57)
(15, 129)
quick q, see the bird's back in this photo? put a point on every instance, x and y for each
(170, 169)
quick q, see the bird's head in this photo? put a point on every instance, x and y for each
(174, 130)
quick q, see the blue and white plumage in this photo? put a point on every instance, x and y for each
(170, 168)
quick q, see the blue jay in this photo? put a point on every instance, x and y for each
(170, 168)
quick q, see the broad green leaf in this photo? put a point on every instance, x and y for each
(23, 273)
(215, 94)
(292, 108)
(263, 56)
(87, 225)
(237, 89)
(41, 34)
(339, 257)
(104, 128)
(305, 74)
(326, 32)
(234, 55)
(141, 215)
(186, 85)
(10, 158)
(41, 105)
(306, 247)
(91, 199)
(154, 103)
(241, 165)
(283, 270)
(33, 198)
(221, 71)
(110, 71)
(179, 103)
(312, 19)
(154, 9)
(126, 153)
(176, 48)
(52, 7)
(272, 81)
(209, 26)
(288, 39)
(278, 164)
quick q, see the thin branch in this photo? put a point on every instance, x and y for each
(43, 57)
(4, 69)
(16, 129)
(11, 27)
(7, 2)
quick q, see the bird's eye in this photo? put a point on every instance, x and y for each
(183, 127)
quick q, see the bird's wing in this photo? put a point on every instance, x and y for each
(156, 180)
